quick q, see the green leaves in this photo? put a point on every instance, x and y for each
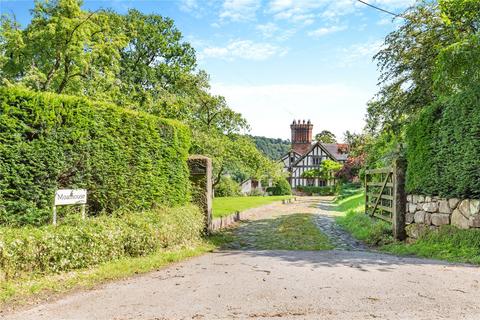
(444, 146)
(126, 159)
(79, 243)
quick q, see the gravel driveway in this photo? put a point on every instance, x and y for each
(337, 284)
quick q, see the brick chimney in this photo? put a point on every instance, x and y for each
(301, 136)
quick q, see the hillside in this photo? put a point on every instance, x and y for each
(271, 147)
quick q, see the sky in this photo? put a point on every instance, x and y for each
(278, 60)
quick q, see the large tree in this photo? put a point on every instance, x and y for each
(326, 137)
(435, 52)
(64, 49)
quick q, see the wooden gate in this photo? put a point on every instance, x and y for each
(385, 196)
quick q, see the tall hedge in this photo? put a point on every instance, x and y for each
(125, 159)
(443, 148)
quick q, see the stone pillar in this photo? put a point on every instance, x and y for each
(201, 180)
(399, 199)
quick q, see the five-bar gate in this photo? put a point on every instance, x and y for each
(385, 196)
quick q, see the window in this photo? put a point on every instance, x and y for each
(316, 160)
(292, 159)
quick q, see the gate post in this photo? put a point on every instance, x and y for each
(201, 181)
(399, 199)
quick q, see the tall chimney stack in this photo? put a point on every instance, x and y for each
(301, 136)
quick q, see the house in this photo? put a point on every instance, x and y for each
(306, 155)
(250, 186)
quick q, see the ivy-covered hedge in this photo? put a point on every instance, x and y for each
(125, 159)
(443, 148)
(83, 243)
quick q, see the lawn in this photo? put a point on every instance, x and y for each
(223, 206)
(288, 232)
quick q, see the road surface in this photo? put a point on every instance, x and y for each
(336, 284)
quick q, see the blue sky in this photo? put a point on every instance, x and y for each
(278, 60)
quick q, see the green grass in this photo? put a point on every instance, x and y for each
(23, 290)
(223, 206)
(446, 243)
(372, 231)
(289, 232)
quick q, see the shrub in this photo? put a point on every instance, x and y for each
(323, 191)
(256, 192)
(125, 159)
(443, 148)
(281, 188)
(227, 187)
(84, 243)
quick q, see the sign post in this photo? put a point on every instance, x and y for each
(65, 197)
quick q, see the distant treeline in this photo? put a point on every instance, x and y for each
(271, 147)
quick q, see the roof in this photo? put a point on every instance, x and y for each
(288, 154)
(330, 148)
(333, 149)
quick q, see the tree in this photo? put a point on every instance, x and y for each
(154, 61)
(328, 169)
(64, 49)
(326, 137)
(235, 155)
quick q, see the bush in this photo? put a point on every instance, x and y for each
(443, 148)
(227, 187)
(281, 188)
(322, 191)
(84, 243)
(125, 159)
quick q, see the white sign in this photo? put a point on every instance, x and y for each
(70, 196)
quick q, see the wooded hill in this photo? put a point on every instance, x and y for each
(272, 147)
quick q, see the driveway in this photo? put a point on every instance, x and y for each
(351, 283)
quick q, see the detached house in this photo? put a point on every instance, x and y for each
(305, 155)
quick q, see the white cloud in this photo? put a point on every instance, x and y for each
(309, 10)
(326, 30)
(268, 29)
(188, 5)
(361, 51)
(243, 49)
(297, 11)
(394, 4)
(271, 108)
(239, 10)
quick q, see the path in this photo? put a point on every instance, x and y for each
(325, 220)
(250, 284)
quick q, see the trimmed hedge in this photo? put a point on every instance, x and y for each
(443, 148)
(84, 243)
(322, 191)
(125, 159)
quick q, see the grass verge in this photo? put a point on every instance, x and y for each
(446, 243)
(23, 290)
(223, 206)
(373, 232)
(289, 232)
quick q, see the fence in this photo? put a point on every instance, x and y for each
(385, 196)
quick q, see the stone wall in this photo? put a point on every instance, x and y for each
(425, 212)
